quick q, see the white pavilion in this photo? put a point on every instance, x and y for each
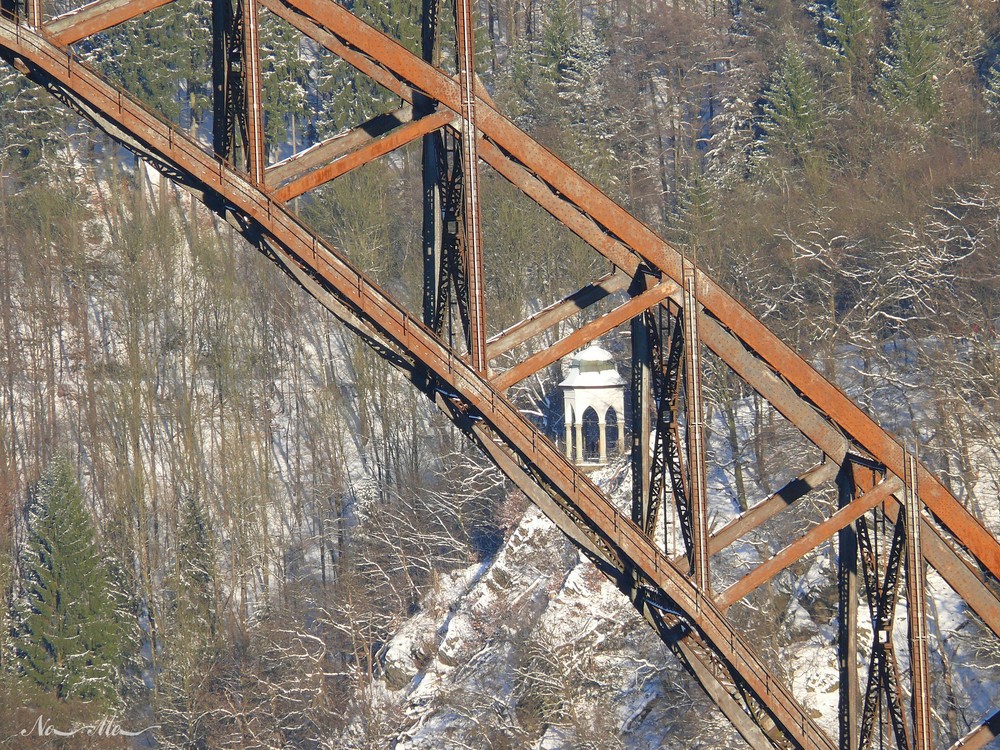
(593, 391)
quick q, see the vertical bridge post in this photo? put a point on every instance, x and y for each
(33, 9)
(847, 642)
(916, 609)
(254, 128)
(695, 433)
(466, 38)
(236, 79)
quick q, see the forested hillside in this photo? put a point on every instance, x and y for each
(222, 514)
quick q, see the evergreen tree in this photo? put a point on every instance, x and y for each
(176, 41)
(912, 60)
(196, 572)
(285, 75)
(520, 87)
(789, 112)
(991, 87)
(191, 649)
(583, 89)
(845, 28)
(558, 36)
(68, 636)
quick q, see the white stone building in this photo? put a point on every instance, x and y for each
(593, 397)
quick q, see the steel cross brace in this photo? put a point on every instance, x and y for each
(883, 593)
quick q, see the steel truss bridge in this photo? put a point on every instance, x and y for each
(673, 310)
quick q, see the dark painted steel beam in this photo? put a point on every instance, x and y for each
(643, 406)
(847, 617)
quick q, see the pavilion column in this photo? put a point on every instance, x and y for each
(569, 439)
(579, 442)
(602, 441)
(621, 432)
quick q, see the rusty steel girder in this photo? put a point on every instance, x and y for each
(236, 182)
(612, 532)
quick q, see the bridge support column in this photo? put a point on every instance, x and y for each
(847, 642)
(236, 80)
(642, 397)
(33, 9)
(695, 407)
(916, 610)
(471, 218)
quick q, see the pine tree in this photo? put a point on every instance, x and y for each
(519, 84)
(558, 36)
(845, 28)
(912, 60)
(789, 112)
(583, 89)
(991, 87)
(67, 635)
(191, 648)
(196, 572)
(284, 80)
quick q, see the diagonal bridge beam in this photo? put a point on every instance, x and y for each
(629, 242)
(258, 215)
(98, 16)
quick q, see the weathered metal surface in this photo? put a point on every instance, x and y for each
(583, 335)
(554, 314)
(363, 154)
(916, 610)
(96, 17)
(303, 162)
(807, 542)
(253, 111)
(772, 506)
(697, 517)
(982, 735)
(472, 245)
(633, 234)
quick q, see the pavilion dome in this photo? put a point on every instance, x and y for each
(594, 367)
